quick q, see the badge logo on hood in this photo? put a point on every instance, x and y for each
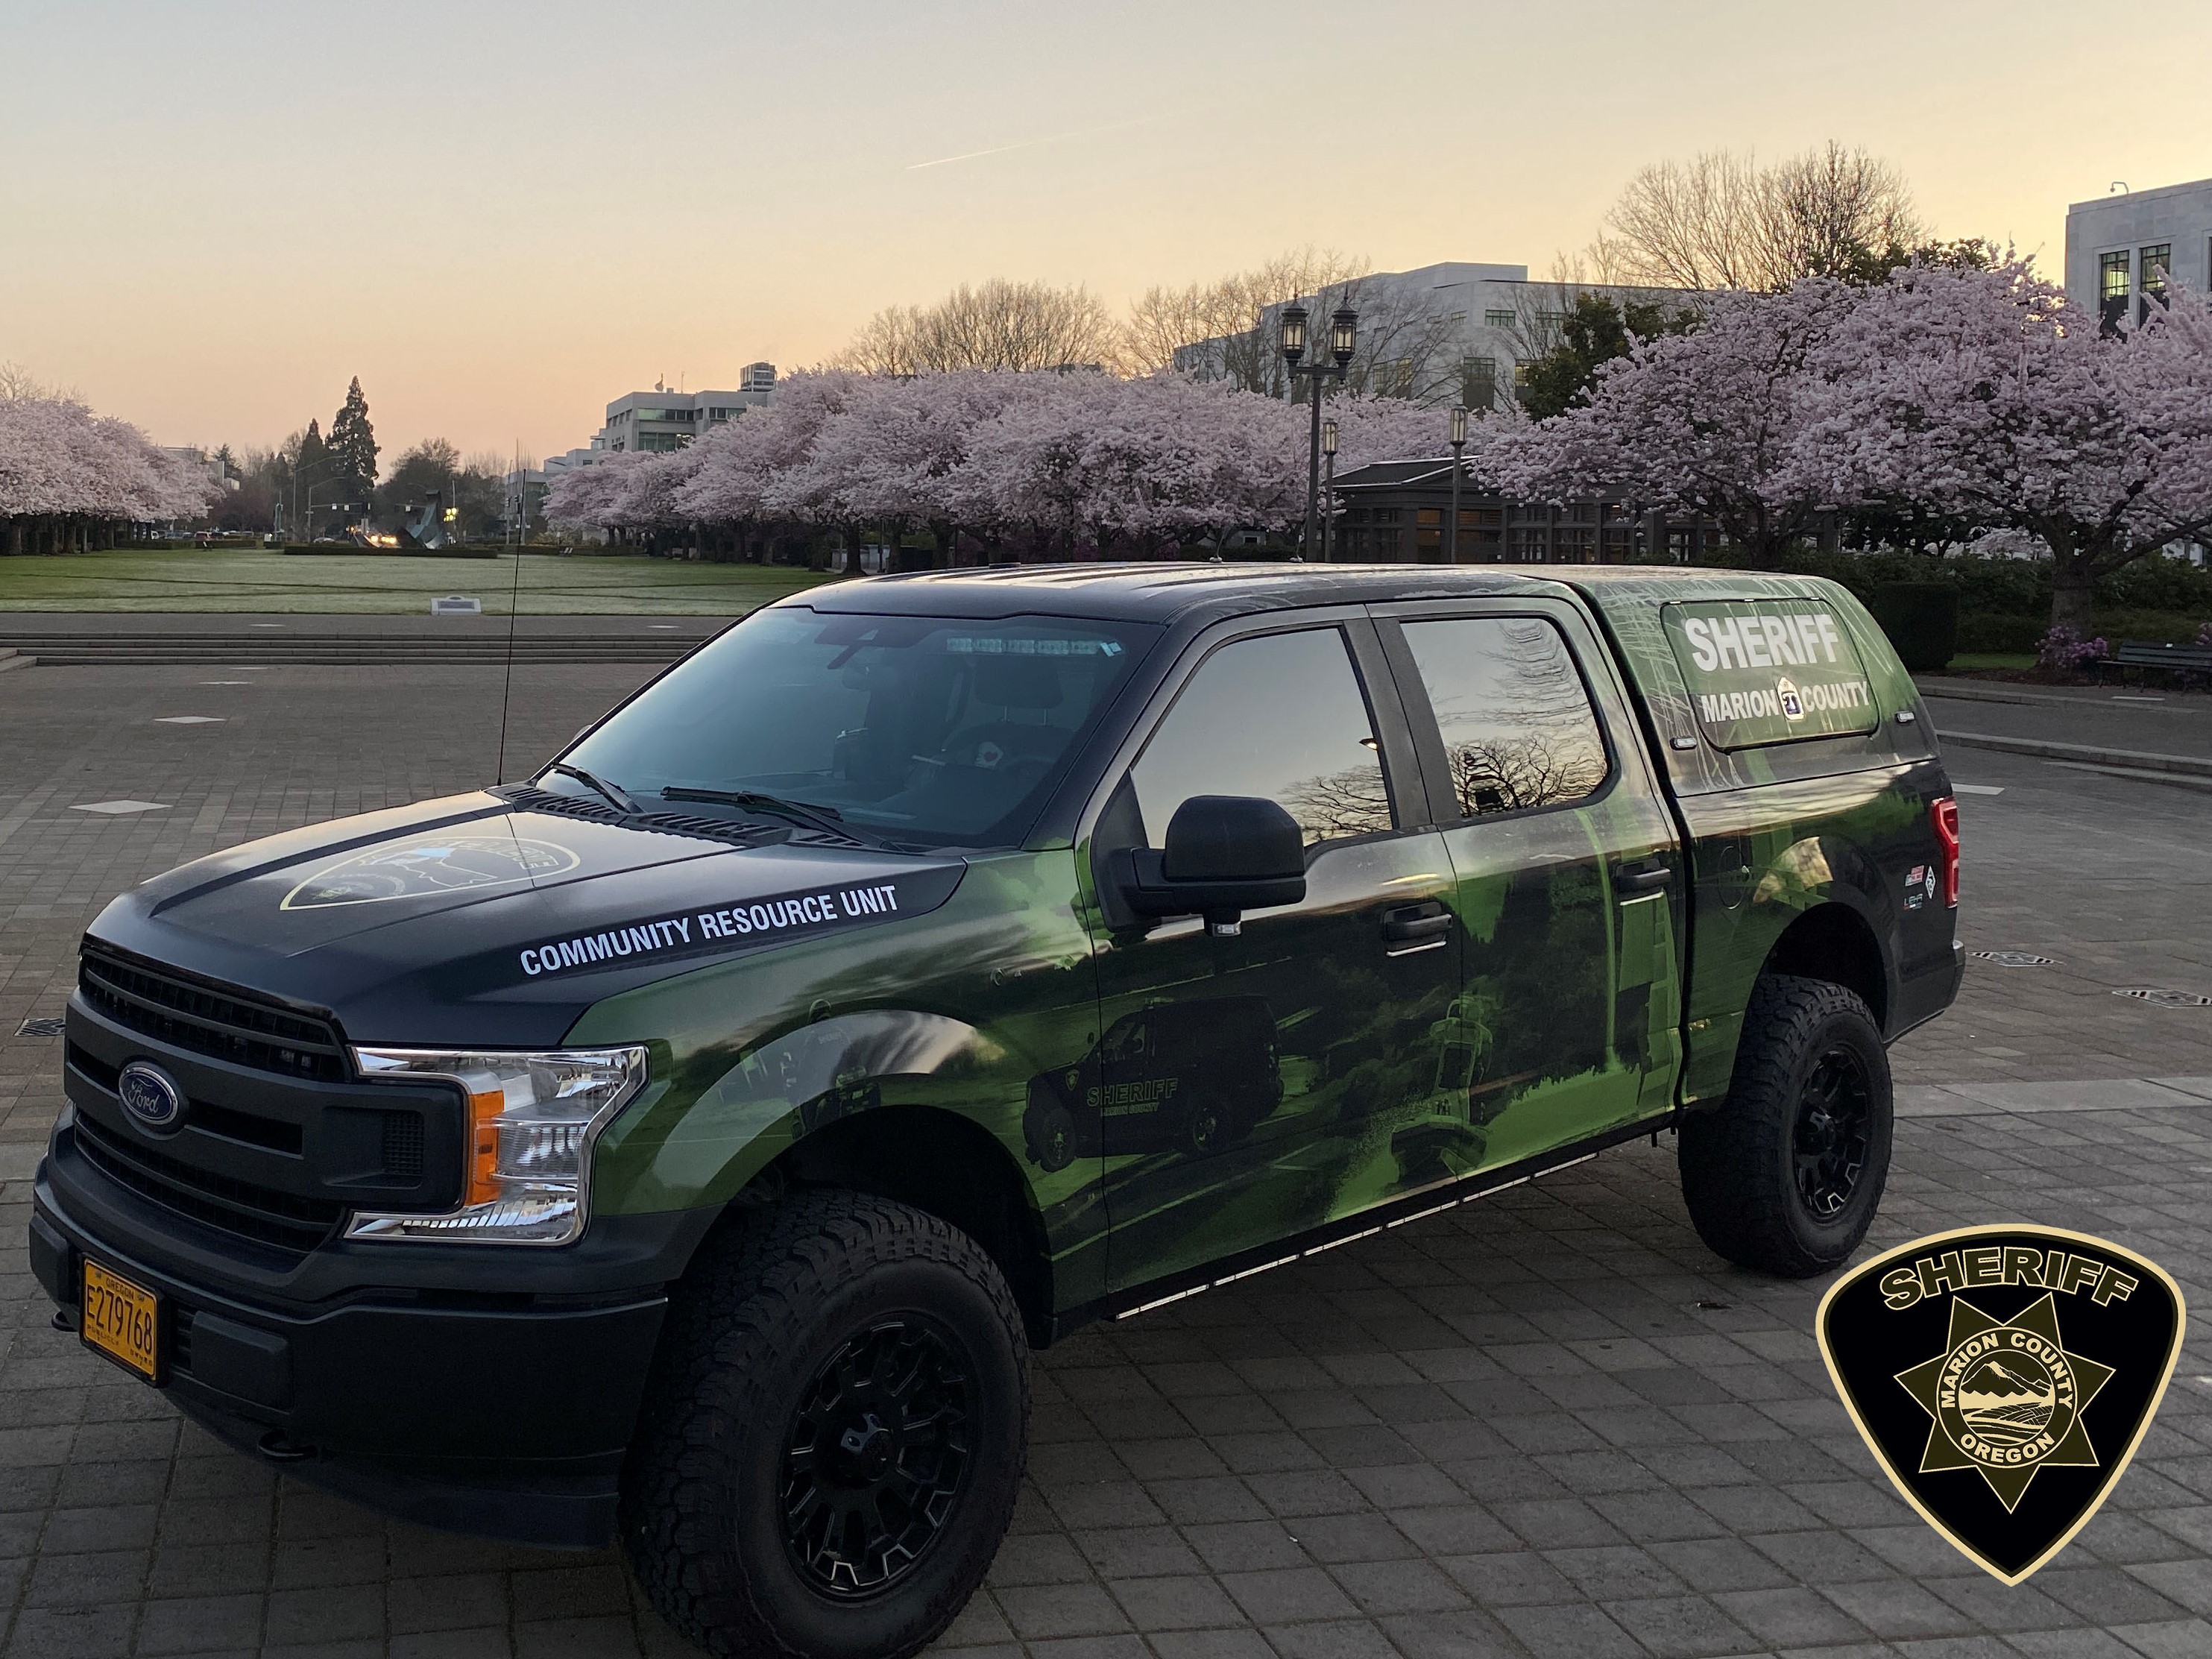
(447, 865)
(2003, 1377)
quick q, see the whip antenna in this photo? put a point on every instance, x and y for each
(506, 685)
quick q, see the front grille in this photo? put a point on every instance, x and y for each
(403, 1144)
(241, 1208)
(208, 1019)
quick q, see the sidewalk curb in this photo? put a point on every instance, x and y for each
(1978, 691)
(2096, 753)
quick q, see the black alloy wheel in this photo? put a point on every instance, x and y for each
(1783, 1173)
(1828, 1142)
(877, 1456)
(1204, 1130)
(1051, 1130)
(833, 1438)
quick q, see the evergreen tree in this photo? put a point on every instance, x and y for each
(353, 445)
(311, 464)
(1594, 332)
(310, 467)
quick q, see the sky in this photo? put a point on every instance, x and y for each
(502, 215)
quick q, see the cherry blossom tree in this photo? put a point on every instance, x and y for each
(1082, 463)
(584, 497)
(69, 479)
(1986, 395)
(1704, 423)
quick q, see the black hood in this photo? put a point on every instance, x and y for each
(472, 921)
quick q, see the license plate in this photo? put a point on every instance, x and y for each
(122, 1321)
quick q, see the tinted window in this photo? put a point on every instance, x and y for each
(1518, 726)
(1281, 716)
(1771, 670)
(917, 729)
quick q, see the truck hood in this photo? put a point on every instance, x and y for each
(473, 921)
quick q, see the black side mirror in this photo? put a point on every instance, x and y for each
(1225, 855)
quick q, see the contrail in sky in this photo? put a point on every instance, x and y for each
(1031, 144)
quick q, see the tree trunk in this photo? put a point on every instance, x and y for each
(2074, 595)
(2074, 571)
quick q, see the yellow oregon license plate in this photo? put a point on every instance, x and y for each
(122, 1321)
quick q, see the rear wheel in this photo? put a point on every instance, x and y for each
(1785, 1175)
(835, 1434)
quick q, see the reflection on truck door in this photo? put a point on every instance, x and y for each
(1563, 858)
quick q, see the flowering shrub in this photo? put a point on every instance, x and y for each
(2063, 648)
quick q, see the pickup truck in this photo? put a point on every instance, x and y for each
(691, 1143)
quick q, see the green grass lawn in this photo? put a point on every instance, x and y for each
(252, 580)
(1993, 659)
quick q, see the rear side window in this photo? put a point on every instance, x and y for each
(1769, 670)
(1516, 722)
(1282, 717)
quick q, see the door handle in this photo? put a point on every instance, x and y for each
(1644, 876)
(1421, 925)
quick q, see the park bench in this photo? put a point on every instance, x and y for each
(2157, 655)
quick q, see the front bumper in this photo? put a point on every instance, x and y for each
(503, 1413)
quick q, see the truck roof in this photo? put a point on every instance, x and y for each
(1165, 591)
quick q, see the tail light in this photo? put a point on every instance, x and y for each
(1944, 814)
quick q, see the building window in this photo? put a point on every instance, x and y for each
(2154, 264)
(1496, 318)
(2113, 288)
(1478, 382)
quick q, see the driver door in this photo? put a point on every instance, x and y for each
(1246, 1088)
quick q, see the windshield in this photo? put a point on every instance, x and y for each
(919, 730)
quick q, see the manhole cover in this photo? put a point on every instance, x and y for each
(2168, 999)
(52, 1026)
(2016, 958)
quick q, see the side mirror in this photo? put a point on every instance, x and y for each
(1225, 855)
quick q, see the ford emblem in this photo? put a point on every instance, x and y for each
(150, 1094)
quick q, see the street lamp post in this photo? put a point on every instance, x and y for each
(1328, 492)
(1343, 338)
(1458, 449)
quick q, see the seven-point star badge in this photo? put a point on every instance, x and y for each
(2006, 1397)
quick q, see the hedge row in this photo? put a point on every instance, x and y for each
(2016, 589)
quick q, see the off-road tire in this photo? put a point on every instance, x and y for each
(1739, 1160)
(762, 1310)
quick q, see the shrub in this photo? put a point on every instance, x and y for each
(2065, 651)
(1921, 621)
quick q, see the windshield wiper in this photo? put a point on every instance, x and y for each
(827, 819)
(600, 786)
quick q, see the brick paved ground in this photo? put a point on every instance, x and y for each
(1552, 1423)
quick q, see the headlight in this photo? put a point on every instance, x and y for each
(532, 1119)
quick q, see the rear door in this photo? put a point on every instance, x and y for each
(1567, 884)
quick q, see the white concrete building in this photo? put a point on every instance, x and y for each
(1454, 332)
(2123, 249)
(658, 421)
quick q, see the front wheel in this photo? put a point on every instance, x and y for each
(834, 1437)
(1785, 1175)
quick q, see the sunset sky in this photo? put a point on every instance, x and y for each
(500, 215)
